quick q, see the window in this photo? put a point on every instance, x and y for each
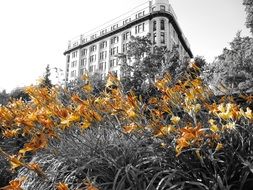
(126, 21)
(92, 58)
(154, 26)
(102, 55)
(75, 44)
(73, 64)
(162, 37)
(153, 9)
(81, 72)
(83, 52)
(125, 47)
(91, 68)
(103, 44)
(73, 73)
(140, 28)
(112, 62)
(101, 66)
(114, 50)
(94, 36)
(68, 58)
(154, 38)
(126, 36)
(114, 27)
(162, 24)
(115, 73)
(83, 62)
(93, 48)
(103, 32)
(74, 54)
(114, 39)
(140, 14)
(162, 7)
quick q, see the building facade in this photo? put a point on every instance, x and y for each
(95, 52)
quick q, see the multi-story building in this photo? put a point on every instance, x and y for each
(95, 51)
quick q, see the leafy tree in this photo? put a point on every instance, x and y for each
(232, 70)
(249, 12)
(144, 62)
(19, 93)
(46, 82)
(3, 97)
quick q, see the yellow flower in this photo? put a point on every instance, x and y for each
(164, 130)
(85, 125)
(214, 128)
(230, 125)
(70, 119)
(131, 113)
(175, 119)
(249, 113)
(88, 88)
(15, 162)
(219, 147)
(198, 154)
(211, 121)
(196, 108)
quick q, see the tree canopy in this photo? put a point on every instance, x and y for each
(233, 69)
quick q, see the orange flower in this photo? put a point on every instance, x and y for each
(10, 133)
(38, 142)
(36, 168)
(190, 135)
(90, 186)
(62, 186)
(153, 100)
(70, 119)
(14, 184)
(130, 128)
(15, 162)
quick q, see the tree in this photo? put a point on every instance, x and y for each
(19, 93)
(144, 62)
(46, 82)
(4, 97)
(232, 70)
(249, 12)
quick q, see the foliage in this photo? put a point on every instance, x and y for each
(4, 97)
(143, 63)
(249, 12)
(19, 93)
(232, 70)
(46, 82)
(180, 139)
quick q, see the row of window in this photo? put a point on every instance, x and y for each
(162, 38)
(162, 26)
(140, 28)
(92, 68)
(103, 44)
(162, 8)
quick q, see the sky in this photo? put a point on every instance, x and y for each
(35, 33)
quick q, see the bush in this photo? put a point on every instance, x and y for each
(181, 139)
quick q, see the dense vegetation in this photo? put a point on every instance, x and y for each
(160, 127)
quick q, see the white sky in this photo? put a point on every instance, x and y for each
(35, 33)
